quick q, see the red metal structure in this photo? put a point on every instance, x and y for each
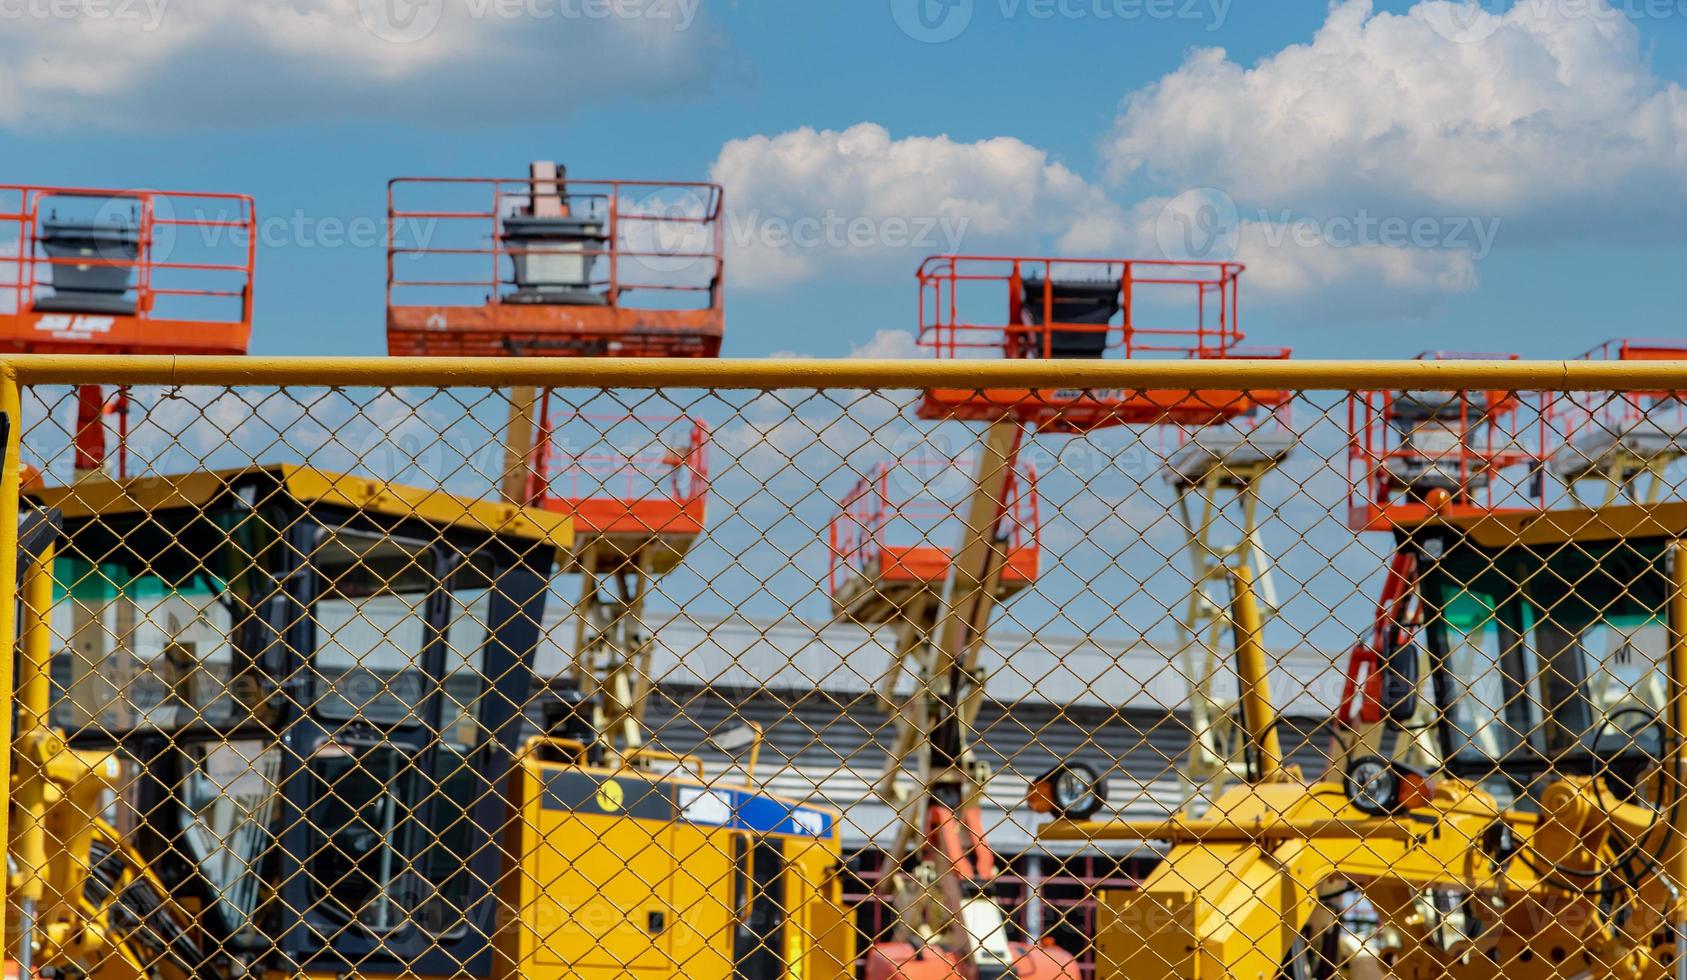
(1619, 438)
(551, 266)
(1412, 454)
(87, 270)
(548, 265)
(1025, 307)
(94, 271)
(1399, 614)
(656, 488)
(881, 539)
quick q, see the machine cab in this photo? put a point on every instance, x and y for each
(313, 682)
(1549, 640)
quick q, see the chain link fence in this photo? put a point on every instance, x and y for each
(354, 672)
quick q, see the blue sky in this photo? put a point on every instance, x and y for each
(1042, 126)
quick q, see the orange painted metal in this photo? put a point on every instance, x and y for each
(883, 536)
(974, 306)
(191, 279)
(1480, 452)
(626, 494)
(655, 288)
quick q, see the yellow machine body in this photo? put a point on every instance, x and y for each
(643, 869)
(623, 871)
(1540, 862)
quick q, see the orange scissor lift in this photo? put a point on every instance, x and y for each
(550, 266)
(1621, 442)
(1414, 456)
(88, 270)
(940, 869)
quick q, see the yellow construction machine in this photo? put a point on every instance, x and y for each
(292, 737)
(1546, 839)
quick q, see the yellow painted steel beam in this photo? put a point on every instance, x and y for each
(1259, 716)
(1675, 858)
(33, 697)
(10, 406)
(1217, 376)
(1220, 830)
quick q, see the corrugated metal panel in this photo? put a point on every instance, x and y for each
(797, 655)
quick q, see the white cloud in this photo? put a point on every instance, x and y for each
(1349, 272)
(1004, 195)
(187, 63)
(1547, 115)
(810, 203)
(889, 344)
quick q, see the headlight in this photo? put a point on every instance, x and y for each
(1071, 790)
(1381, 787)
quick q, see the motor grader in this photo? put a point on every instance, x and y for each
(1543, 837)
(294, 735)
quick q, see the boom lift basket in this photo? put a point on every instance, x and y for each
(1619, 439)
(633, 482)
(1414, 454)
(884, 550)
(551, 266)
(1084, 309)
(92, 271)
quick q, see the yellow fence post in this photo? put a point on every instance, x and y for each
(11, 409)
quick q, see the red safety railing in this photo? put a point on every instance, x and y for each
(1581, 415)
(1023, 307)
(654, 286)
(882, 534)
(974, 303)
(189, 258)
(659, 487)
(1414, 454)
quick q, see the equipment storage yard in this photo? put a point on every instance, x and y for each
(1102, 642)
(296, 693)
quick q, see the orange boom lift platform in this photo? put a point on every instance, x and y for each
(942, 869)
(87, 270)
(551, 266)
(1413, 457)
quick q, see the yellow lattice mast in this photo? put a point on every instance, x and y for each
(1216, 474)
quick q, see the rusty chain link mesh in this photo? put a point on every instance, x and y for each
(767, 684)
